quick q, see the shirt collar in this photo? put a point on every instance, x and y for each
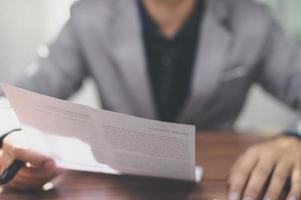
(150, 26)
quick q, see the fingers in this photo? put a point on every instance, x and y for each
(38, 174)
(19, 183)
(258, 178)
(295, 192)
(279, 177)
(39, 169)
(32, 178)
(34, 158)
(240, 174)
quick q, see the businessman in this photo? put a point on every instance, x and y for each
(188, 61)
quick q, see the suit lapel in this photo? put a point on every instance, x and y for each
(210, 58)
(128, 53)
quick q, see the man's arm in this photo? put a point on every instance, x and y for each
(280, 72)
(61, 72)
(270, 164)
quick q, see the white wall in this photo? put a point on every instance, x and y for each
(25, 25)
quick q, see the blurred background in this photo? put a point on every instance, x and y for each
(25, 26)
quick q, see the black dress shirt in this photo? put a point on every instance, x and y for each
(170, 61)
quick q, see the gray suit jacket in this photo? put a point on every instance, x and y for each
(240, 44)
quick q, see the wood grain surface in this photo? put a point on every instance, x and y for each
(215, 151)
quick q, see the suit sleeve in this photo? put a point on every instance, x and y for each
(280, 70)
(62, 71)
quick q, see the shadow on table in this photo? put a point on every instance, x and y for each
(154, 188)
(84, 186)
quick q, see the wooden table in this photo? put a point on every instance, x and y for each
(216, 152)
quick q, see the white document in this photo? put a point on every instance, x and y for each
(8, 119)
(78, 137)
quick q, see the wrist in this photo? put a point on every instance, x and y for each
(293, 133)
